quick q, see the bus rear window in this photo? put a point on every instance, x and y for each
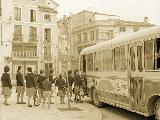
(90, 62)
(152, 54)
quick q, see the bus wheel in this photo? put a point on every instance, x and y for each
(158, 109)
(96, 100)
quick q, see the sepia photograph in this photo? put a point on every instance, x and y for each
(79, 60)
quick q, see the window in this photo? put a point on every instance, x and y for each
(91, 35)
(0, 8)
(90, 62)
(17, 33)
(149, 54)
(47, 17)
(97, 35)
(157, 51)
(122, 29)
(33, 34)
(107, 60)
(79, 38)
(119, 58)
(17, 14)
(85, 37)
(98, 61)
(135, 28)
(132, 53)
(33, 15)
(116, 58)
(83, 63)
(47, 35)
(139, 56)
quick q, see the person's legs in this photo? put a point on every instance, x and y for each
(22, 96)
(18, 96)
(5, 100)
(61, 100)
(49, 101)
(29, 104)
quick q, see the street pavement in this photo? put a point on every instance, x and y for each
(83, 111)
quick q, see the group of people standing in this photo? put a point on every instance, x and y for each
(41, 87)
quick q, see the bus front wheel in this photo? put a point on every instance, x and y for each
(96, 100)
(158, 109)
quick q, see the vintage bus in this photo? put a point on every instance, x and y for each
(125, 72)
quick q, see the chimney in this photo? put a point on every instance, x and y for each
(146, 20)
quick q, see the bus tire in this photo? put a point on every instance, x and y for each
(157, 110)
(96, 100)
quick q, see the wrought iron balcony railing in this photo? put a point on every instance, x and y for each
(17, 37)
(24, 54)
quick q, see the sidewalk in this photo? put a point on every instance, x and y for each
(57, 112)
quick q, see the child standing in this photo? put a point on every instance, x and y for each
(46, 87)
(6, 84)
(61, 88)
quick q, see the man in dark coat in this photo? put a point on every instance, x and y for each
(20, 86)
(6, 84)
(52, 80)
(61, 88)
(77, 85)
(41, 78)
(30, 85)
(70, 83)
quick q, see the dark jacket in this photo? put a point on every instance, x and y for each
(40, 80)
(70, 80)
(30, 80)
(6, 80)
(60, 83)
(51, 79)
(77, 80)
(19, 79)
(46, 85)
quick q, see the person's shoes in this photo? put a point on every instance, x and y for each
(23, 103)
(52, 103)
(71, 101)
(63, 102)
(29, 105)
(6, 104)
(18, 102)
(81, 101)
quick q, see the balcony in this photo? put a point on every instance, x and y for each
(22, 54)
(17, 37)
(44, 8)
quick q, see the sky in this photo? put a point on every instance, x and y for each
(134, 10)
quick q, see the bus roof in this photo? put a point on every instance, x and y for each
(147, 33)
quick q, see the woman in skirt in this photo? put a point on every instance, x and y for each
(6, 84)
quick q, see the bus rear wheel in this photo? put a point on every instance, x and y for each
(96, 100)
(158, 109)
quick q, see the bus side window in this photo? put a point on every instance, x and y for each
(90, 62)
(149, 55)
(158, 52)
(139, 55)
(132, 54)
(84, 63)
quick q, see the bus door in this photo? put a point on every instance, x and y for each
(135, 75)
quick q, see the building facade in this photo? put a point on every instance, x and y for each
(31, 34)
(88, 28)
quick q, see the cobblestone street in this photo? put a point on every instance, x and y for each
(22, 112)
